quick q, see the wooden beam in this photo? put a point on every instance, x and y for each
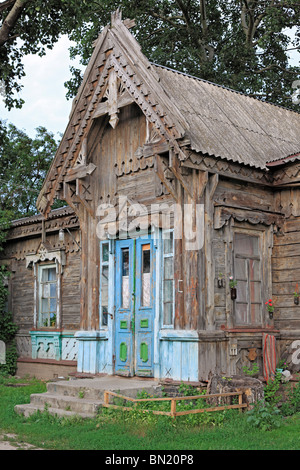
(160, 169)
(175, 168)
(79, 172)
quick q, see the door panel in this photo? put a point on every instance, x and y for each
(124, 303)
(145, 306)
(135, 307)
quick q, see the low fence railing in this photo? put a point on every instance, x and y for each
(240, 405)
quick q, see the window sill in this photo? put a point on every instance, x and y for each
(53, 328)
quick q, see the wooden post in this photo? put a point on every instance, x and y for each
(106, 398)
(173, 408)
(240, 401)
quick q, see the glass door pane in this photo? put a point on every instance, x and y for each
(146, 274)
(125, 278)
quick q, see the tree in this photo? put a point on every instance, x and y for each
(24, 163)
(30, 27)
(242, 44)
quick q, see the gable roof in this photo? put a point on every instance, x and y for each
(217, 121)
(227, 124)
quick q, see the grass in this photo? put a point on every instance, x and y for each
(116, 430)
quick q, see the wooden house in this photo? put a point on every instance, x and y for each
(177, 185)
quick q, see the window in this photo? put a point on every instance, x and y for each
(247, 271)
(104, 279)
(168, 279)
(48, 296)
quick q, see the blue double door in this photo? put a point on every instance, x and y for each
(134, 307)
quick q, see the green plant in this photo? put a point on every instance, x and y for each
(292, 405)
(264, 416)
(251, 372)
(271, 389)
(8, 328)
(232, 282)
(270, 306)
(187, 390)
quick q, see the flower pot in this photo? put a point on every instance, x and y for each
(296, 300)
(233, 293)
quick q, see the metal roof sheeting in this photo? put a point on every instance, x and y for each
(230, 125)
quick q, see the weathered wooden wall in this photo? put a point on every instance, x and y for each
(21, 282)
(286, 262)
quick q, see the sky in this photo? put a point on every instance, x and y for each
(44, 92)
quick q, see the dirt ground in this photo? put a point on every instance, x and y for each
(10, 442)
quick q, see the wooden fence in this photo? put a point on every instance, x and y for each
(174, 401)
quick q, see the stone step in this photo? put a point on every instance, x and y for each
(74, 389)
(69, 403)
(83, 397)
(29, 409)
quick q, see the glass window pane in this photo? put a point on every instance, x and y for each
(168, 313)
(53, 290)
(168, 291)
(104, 285)
(51, 274)
(146, 301)
(241, 313)
(254, 270)
(46, 291)
(104, 276)
(146, 259)
(44, 320)
(246, 244)
(169, 268)
(125, 292)
(240, 269)
(242, 291)
(105, 252)
(168, 242)
(44, 275)
(45, 305)
(255, 291)
(53, 305)
(125, 262)
(104, 316)
(255, 313)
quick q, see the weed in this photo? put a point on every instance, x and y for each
(264, 416)
(271, 390)
(251, 372)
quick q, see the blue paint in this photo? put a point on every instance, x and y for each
(89, 350)
(134, 320)
(145, 313)
(124, 308)
(179, 354)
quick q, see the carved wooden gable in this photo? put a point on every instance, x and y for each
(118, 74)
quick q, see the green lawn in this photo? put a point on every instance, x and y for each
(122, 431)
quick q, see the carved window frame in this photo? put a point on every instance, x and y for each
(265, 235)
(44, 258)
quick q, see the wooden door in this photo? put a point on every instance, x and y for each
(135, 307)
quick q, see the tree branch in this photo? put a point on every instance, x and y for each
(6, 4)
(10, 21)
(273, 66)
